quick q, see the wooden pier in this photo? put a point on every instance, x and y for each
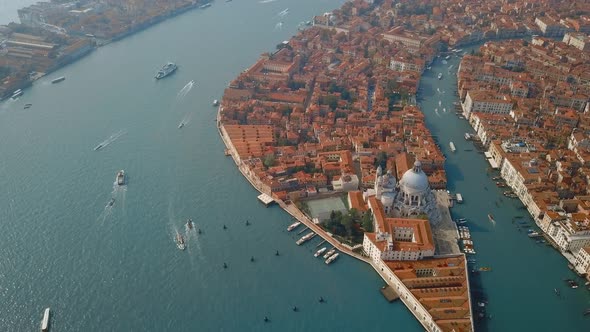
(319, 244)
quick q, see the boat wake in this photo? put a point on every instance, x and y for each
(185, 90)
(266, 1)
(283, 13)
(279, 26)
(185, 120)
(110, 140)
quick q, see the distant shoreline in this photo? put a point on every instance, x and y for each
(131, 31)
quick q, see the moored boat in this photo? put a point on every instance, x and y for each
(57, 80)
(305, 238)
(452, 145)
(332, 258)
(121, 178)
(459, 198)
(330, 253)
(319, 252)
(293, 226)
(215, 102)
(45, 321)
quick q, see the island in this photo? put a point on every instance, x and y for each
(328, 127)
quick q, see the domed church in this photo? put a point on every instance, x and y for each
(412, 196)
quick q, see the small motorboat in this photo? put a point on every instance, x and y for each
(189, 224)
(111, 202)
(181, 125)
(180, 241)
(556, 291)
(98, 147)
(28, 106)
(216, 102)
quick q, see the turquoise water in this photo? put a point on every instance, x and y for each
(520, 287)
(118, 269)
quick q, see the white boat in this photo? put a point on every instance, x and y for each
(330, 253)
(17, 93)
(293, 226)
(467, 136)
(305, 238)
(332, 258)
(45, 321)
(459, 198)
(180, 125)
(447, 57)
(215, 102)
(121, 177)
(57, 80)
(319, 252)
(180, 241)
(452, 145)
(439, 76)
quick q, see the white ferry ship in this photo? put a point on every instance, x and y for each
(332, 258)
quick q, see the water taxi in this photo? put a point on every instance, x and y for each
(459, 198)
(57, 80)
(319, 252)
(452, 145)
(189, 224)
(180, 241)
(332, 258)
(45, 321)
(330, 253)
(305, 238)
(120, 178)
(17, 93)
(293, 226)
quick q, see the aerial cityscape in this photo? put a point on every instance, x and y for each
(433, 156)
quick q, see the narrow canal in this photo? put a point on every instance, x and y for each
(520, 287)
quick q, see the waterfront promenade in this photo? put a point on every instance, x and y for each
(289, 208)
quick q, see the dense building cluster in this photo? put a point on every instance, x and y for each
(529, 103)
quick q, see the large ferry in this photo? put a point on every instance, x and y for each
(319, 252)
(293, 226)
(121, 177)
(332, 258)
(180, 241)
(45, 321)
(166, 70)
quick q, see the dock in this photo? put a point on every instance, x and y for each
(389, 294)
(265, 199)
(303, 230)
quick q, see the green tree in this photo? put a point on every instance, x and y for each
(269, 160)
(367, 222)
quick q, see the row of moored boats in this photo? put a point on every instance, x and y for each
(329, 255)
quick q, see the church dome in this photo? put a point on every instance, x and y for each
(414, 180)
